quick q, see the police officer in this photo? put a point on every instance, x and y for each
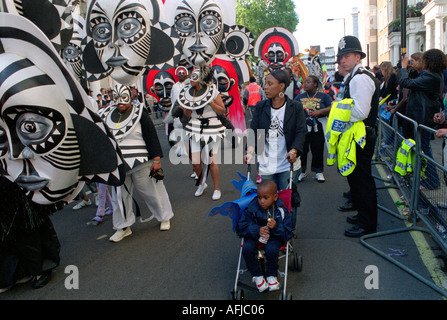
(363, 88)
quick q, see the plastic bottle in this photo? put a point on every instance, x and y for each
(315, 125)
(341, 92)
(264, 239)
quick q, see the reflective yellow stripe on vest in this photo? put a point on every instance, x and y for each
(347, 148)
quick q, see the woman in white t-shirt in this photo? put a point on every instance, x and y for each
(284, 124)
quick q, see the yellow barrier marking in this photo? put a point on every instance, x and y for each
(427, 255)
(101, 237)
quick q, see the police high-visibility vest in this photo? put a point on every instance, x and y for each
(338, 123)
(253, 94)
(343, 136)
(405, 158)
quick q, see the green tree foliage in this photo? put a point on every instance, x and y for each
(259, 15)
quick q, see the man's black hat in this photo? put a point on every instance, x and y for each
(350, 44)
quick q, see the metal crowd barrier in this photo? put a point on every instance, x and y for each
(432, 195)
(424, 190)
(389, 140)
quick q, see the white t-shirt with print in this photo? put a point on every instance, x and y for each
(273, 160)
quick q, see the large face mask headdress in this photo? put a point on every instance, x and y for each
(224, 83)
(276, 55)
(126, 37)
(163, 82)
(200, 26)
(182, 73)
(227, 82)
(49, 140)
(208, 30)
(72, 53)
(276, 46)
(52, 17)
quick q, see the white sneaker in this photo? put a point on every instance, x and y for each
(165, 225)
(302, 176)
(82, 204)
(193, 175)
(320, 177)
(200, 190)
(120, 234)
(261, 284)
(216, 195)
(273, 283)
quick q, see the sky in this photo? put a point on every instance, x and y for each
(313, 27)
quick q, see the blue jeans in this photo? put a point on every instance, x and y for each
(271, 253)
(282, 182)
(91, 186)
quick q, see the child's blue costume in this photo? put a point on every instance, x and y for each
(234, 209)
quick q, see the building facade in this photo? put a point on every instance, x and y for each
(328, 58)
(389, 28)
(435, 17)
(426, 26)
(367, 34)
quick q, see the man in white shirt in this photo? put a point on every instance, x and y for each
(363, 88)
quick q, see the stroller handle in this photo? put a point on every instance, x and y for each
(291, 176)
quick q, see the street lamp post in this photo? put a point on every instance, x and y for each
(344, 24)
(403, 26)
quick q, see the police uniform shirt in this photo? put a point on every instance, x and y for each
(362, 90)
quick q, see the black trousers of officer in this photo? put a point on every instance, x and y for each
(362, 184)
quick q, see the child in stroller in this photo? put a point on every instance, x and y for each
(266, 216)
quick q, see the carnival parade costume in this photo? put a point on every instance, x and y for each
(137, 138)
(204, 124)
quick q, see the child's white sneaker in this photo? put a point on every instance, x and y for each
(273, 283)
(261, 284)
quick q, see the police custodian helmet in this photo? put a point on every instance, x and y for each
(350, 44)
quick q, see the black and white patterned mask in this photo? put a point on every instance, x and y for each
(200, 27)
(276, 55)
(121, 94)
(72, 53)
(121, 37)
(48, 134)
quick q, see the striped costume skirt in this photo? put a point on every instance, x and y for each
(205, 129)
